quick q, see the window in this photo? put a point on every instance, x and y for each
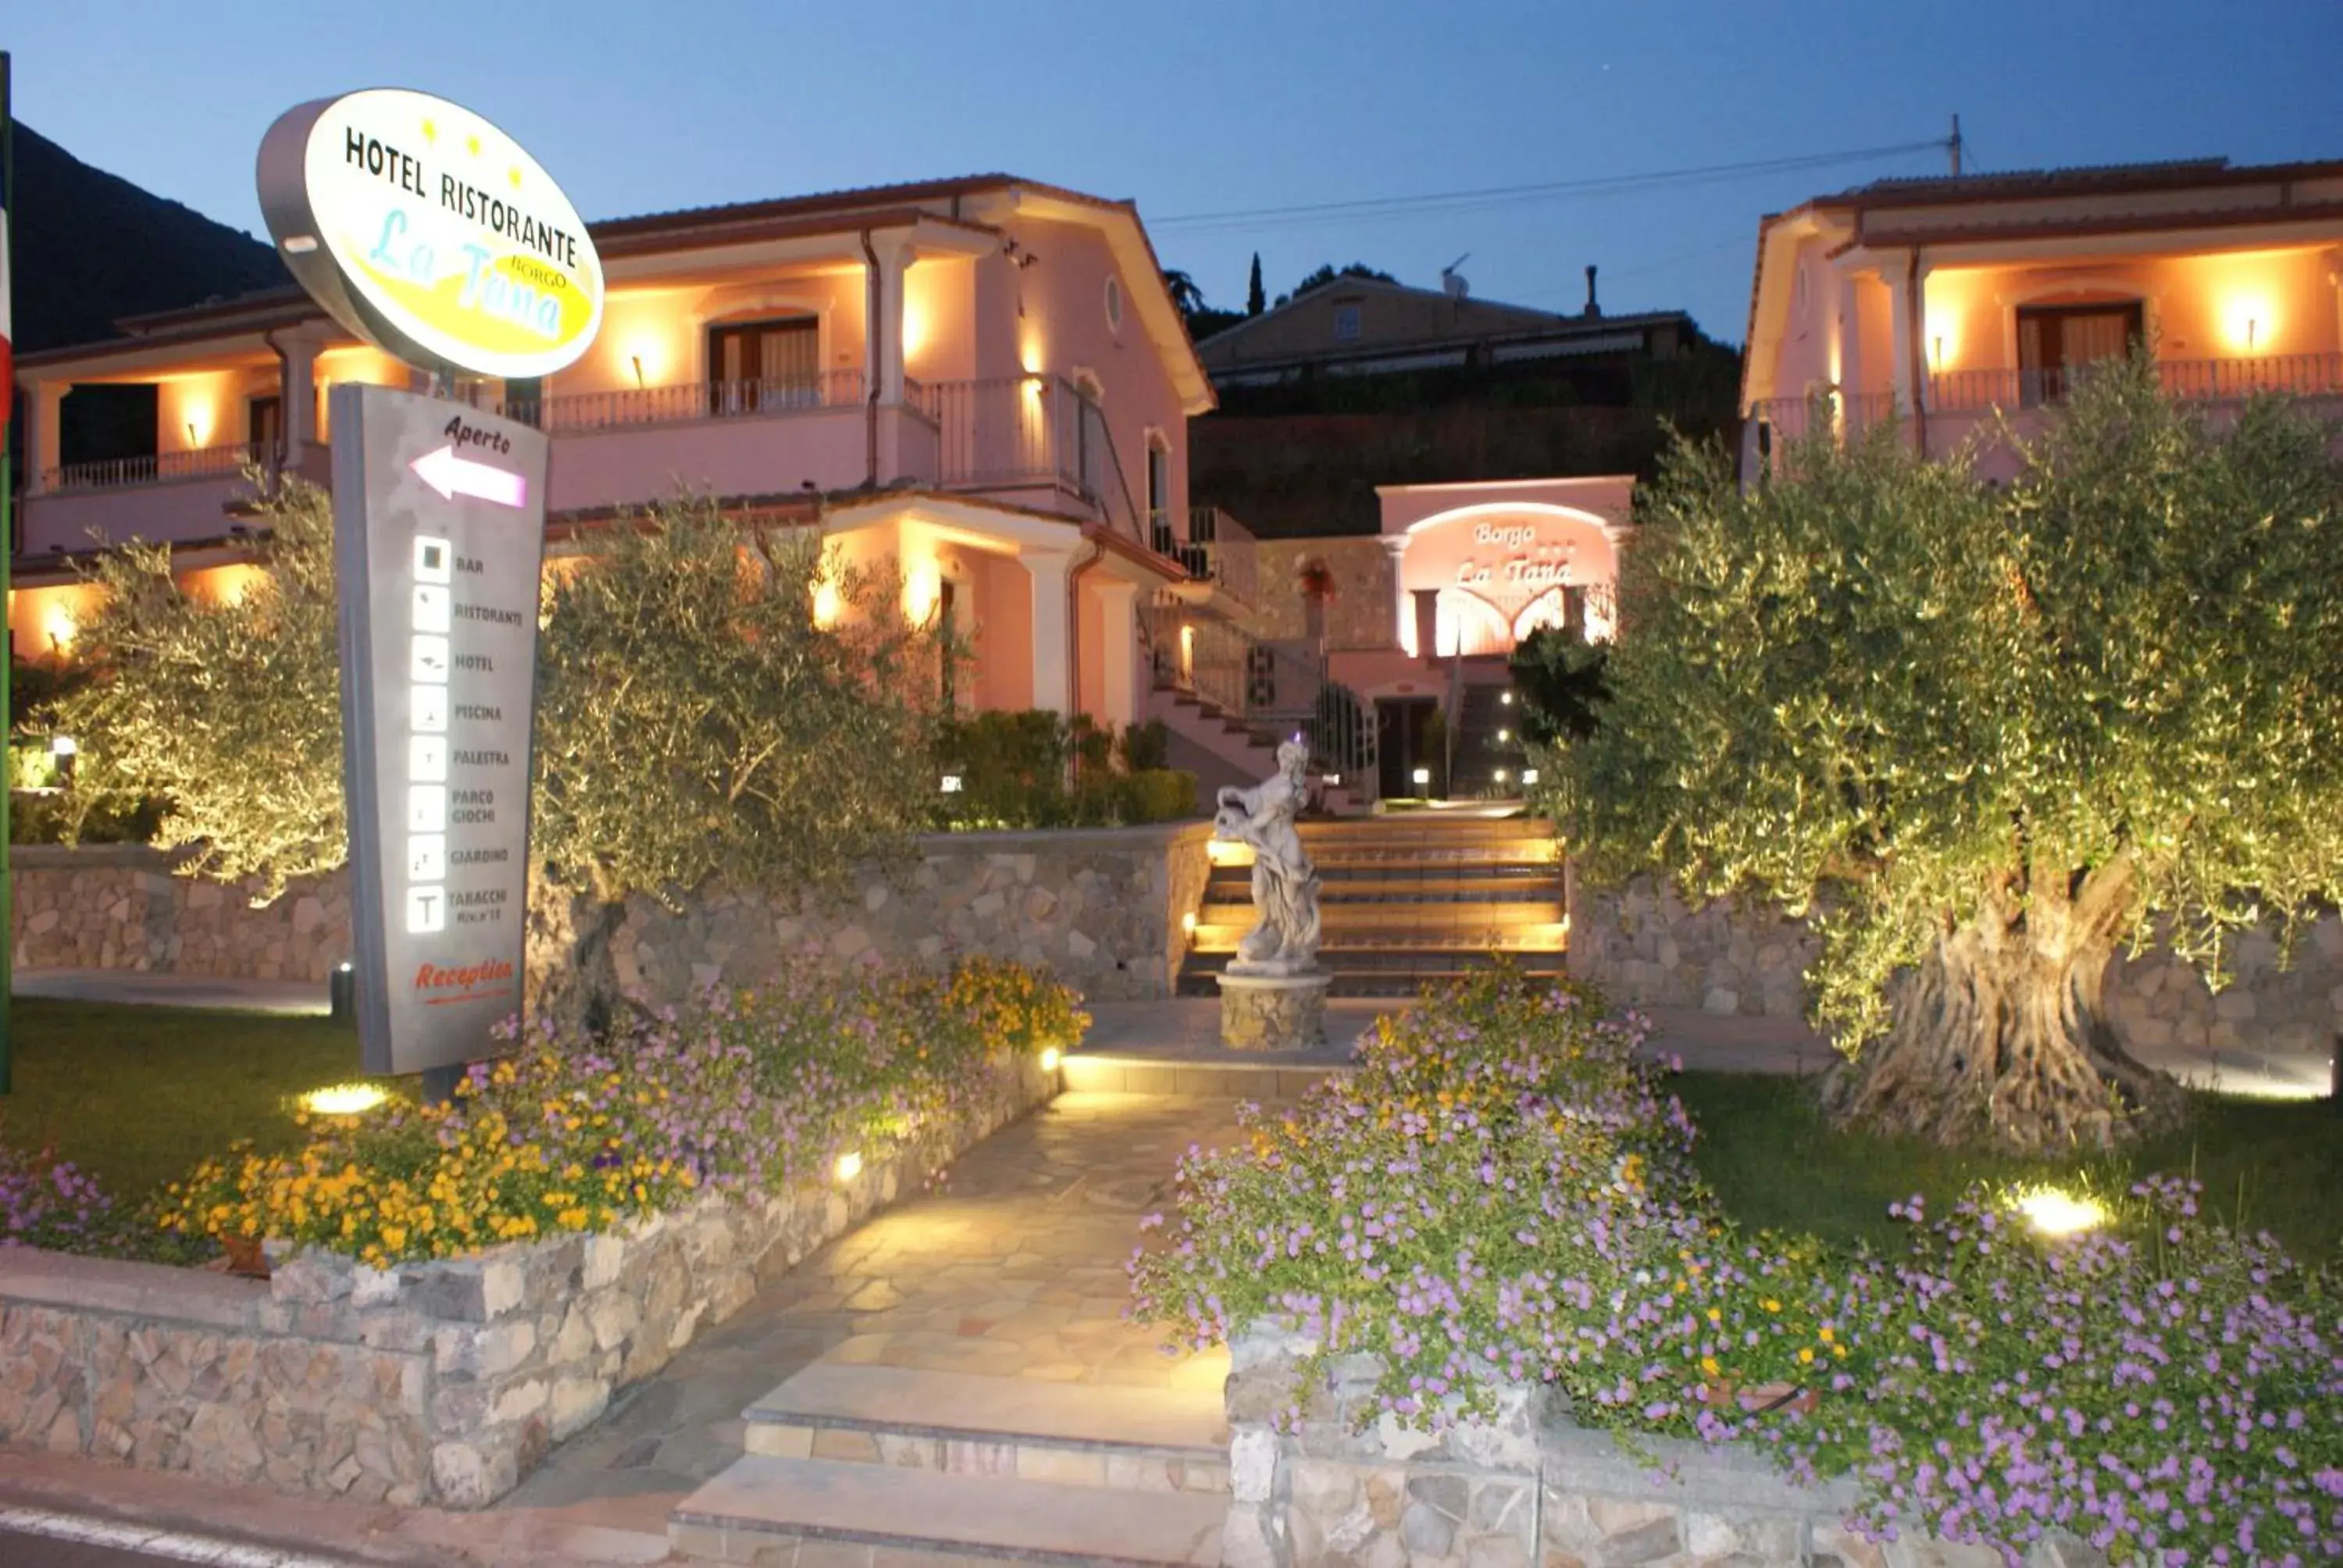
(265, 428)
(1114, 304)
(525, 400)
(2055, 341)
(1346, 323)
(764, 364)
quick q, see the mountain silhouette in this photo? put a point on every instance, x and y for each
(91, 248)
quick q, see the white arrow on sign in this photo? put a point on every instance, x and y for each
(452, 476)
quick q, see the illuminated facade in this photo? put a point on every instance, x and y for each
(981, 380)
(1954, 303)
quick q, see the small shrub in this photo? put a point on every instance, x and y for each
(1159, 795)
(1146, 747)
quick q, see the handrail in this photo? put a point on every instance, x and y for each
(580, 412)
(2197, 380)
(159, 467)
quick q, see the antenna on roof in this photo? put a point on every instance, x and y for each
(1952, 146)
(1452, 285)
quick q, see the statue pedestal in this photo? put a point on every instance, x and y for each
(1274, 1013)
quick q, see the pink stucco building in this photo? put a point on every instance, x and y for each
(1951, 303)
(982, 379)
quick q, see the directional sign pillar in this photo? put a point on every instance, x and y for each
(439, 541)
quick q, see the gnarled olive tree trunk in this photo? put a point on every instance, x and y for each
(2000, 1033)
(573, 977)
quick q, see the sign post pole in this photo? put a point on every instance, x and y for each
(425, 229)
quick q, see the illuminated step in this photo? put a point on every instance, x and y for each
(1542, 937)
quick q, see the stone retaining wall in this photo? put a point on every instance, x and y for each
(1647, 948)
(119, 906)
(1100, 908)
(439, 1382)
(1342, 1491)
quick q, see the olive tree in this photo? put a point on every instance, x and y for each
(1986, 735)
(696, 717)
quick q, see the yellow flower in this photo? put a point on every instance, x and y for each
(1715, 1316)
(1805, 1356)
(1708, 1364)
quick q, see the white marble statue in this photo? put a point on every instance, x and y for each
(1284, 940)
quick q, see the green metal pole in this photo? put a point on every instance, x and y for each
(7, 559)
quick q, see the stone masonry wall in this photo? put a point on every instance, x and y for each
(441, 1381)
(1646, 948)
(119, 906)
(1342, 1491)
(1100, 908)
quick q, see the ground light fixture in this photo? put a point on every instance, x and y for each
(64, 746)
(1188, 922)
(344, 1099)
(1529, 776)
(1501, 775)
(2054, 1213)
(1506, 698)
(951, 784)
(1423, 777)
(849, 1165)
(1050, 1059)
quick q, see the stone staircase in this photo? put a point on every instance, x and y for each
(872, 1467)
(1406, 899)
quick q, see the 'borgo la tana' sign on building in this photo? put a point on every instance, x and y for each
(423, 228)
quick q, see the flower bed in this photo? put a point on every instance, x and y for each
(453, 1288)
(1500, 1197)
(741, 1093)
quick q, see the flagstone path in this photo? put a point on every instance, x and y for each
(1013, 1268)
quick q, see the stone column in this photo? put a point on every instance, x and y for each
(1850, 338)
(44, 406)
(1117, 703)
(1903, 333)
(1396, 551)
(882, 339)
(296, 372)
(1053, 643)
(1427, 623)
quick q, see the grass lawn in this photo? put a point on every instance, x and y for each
(138, 1095)
(1766, 1150)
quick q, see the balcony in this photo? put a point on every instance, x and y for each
(1966, 404)
(1037, 441)
(161, 497)
(2196, 380)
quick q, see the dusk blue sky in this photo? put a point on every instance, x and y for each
(1202, 108)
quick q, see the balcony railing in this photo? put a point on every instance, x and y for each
(160, 468)
(582, 412)
(1215, 548)
(1027, 432)
(2205, 380)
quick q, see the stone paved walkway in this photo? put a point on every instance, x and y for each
(1013, 1269)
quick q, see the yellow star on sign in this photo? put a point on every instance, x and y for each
(514, 175)
(430, 130)
(472, 145)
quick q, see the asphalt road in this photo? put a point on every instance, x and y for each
(21, 1548)
(42, 1551)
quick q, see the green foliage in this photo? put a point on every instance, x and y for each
(1501, 1193)
(694, 721)
(1145, 746)
(1561, 685)
(1014, 771)
(226, 710)
(1329, 273)
(749, 1092)
(2120, 677)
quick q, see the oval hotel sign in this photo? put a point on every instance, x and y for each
(425, 229)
